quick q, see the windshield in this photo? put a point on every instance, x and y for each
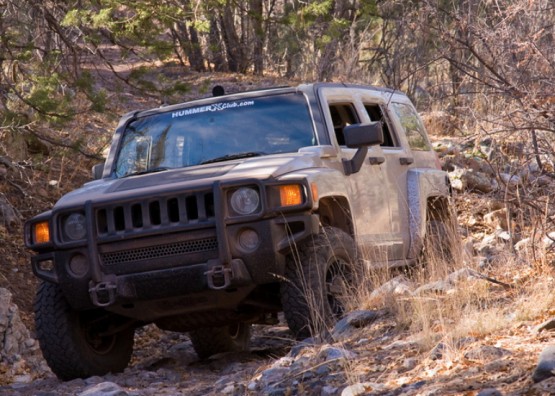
(217, 132)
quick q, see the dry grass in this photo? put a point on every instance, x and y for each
(438, 310)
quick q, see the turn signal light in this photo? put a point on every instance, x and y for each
(290, 195)
(41, 232)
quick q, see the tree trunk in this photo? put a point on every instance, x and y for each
(233, 45)
(188, 40)
(256, 17)
(216, 46)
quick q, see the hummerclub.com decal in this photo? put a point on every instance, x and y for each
(211, 108)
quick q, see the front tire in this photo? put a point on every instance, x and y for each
(212, 340)
(320, 279)
(79, 344)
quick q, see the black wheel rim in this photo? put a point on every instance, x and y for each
(234, 330)
(93, 331)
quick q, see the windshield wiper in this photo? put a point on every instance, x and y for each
(151, 170)
(233, 156)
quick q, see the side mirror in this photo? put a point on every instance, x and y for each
(97, 171)
(360, 136)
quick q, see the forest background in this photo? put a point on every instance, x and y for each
(68, 69)
(481, 72)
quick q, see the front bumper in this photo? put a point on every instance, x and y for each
(172, 258)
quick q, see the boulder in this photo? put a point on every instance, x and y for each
(546, 365)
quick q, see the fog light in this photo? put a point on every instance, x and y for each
(78, 265)
(248, 239)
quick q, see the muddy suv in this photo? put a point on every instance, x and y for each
(216, 214)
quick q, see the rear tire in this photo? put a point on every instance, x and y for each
(71, 341)
(319, 281)
(212, 340)
(438, 242)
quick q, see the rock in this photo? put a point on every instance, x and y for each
(362, 389)
(547, 325)
(446, 147)
(328, 391)
(510, 181)
(489, 392)
(409, 364)
(8, 216)
(498, 365)
(304, 344)
(399, 285)
(540, 181)
(488, 246)
(273, 375)
(22, 379)
(355, 320)
(522, 245)
(439, 349)
(488, 147)
(545, 387)
(17, 349)
(497, 219)
(546, 365)
(486, 353)
(104, 389)
(437, 352)
(503, 236)
(440, 286)
(473, 180)
(549, 240)
(334, 353)
(449, 283)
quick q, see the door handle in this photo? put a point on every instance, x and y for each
(406, 160)
(376, 160)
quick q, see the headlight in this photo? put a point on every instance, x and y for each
(245, 201)
(75, 227)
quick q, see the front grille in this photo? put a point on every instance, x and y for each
(148, 214)
(159, 251)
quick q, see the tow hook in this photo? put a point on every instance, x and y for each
(103, 293)
(219, 277)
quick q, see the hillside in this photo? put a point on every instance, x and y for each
(419, 335)
(481, 75)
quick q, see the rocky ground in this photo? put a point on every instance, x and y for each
(367, 353)
(478, 329)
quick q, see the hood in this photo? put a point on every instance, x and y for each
(270, 166)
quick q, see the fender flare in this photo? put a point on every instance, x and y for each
(423, 184)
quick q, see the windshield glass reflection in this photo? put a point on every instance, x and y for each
(217, 132)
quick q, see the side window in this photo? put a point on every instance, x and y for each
(375, 114)
(342, 115)
(416, 134)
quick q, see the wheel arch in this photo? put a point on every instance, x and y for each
(429, 195)
(335, 211)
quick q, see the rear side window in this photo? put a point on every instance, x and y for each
(342, 115)
(375, 113)
(416, 134)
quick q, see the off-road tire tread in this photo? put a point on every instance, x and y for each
(60, 347)
(212, 340)
(438, 241)
(309, 254)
